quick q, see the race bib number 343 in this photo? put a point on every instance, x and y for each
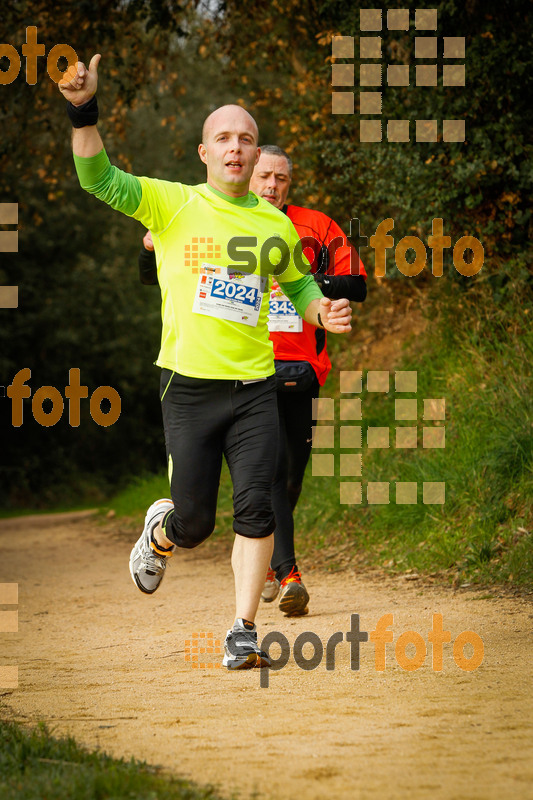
(228, 294)
(282, 316)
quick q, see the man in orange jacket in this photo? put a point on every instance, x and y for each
(302, 363)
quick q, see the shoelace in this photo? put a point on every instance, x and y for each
(293, 577)
(243, 638)
(271, 576)
(151, 561)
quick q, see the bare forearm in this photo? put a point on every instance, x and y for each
(86, 141)
(311, 313)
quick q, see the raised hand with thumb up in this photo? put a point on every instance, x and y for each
(79, 84)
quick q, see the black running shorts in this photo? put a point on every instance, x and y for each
(203, 420)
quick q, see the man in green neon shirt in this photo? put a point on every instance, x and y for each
(214, 244)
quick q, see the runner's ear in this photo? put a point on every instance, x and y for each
(202, 152)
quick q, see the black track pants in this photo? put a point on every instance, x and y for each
(296, 427)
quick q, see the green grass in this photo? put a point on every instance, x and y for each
(34, 765)
(141, 493)
(477, 355)
(131, 503)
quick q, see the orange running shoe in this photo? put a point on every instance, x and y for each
(294, 596)
(271, 587)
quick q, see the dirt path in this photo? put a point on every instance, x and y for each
(99, 660)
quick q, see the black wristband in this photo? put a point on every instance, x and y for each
(86, 114)
(353, 287)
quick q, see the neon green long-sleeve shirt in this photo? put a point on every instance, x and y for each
(214, 314)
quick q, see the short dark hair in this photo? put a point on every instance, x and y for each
(274, 150)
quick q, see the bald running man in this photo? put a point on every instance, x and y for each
(301, 359)
(218, 391)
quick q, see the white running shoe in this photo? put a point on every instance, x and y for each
(241, 650)
(271, 587)
(147, 567)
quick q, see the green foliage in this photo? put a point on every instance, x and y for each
(477, 355)
(279, 57)
(164, 67)
(35, 765)
(80, 301)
